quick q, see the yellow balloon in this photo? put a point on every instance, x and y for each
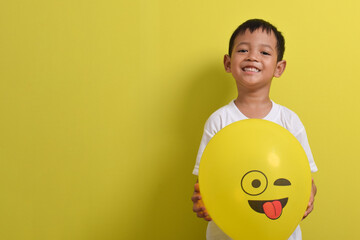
(255, 180)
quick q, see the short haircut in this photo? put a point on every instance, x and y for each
(254, 24)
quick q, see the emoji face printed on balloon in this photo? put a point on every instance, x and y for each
(255, 180)
(254, 183)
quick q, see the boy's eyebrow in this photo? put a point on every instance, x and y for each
(262, 44)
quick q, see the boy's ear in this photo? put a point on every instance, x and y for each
(227, 63)
(280, 68)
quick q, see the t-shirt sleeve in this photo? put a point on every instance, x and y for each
(302, 138)
(210, 129)
(292, 122)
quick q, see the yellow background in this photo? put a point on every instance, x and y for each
(103, 103)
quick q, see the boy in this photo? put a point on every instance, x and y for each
(255, 56)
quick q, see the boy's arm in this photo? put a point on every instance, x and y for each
(198, 205)
(310, 206)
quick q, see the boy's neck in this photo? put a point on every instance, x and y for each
(253, 105)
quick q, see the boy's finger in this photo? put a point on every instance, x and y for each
(196, 197)
(196, 187)
(206, 216)
(200, 214)
(308, 211)
(198, 208)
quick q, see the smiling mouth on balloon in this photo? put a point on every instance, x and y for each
(272, 208)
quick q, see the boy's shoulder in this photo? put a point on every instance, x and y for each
(287, 113)
(222, 117)
(289, 119)
(224, 110)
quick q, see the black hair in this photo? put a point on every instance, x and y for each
(254, 24)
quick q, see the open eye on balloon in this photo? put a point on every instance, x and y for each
(254, 183)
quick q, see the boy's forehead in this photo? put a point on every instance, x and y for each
(258, 36)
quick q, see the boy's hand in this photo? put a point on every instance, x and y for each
(198, 206)
(310, 206)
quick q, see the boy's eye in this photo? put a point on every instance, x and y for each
(242, 50)
(265, 53)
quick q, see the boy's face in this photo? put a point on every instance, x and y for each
(253, 62)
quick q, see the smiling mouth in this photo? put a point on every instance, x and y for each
(250, 69)
(272, 208)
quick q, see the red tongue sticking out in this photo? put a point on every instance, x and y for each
(272, 209)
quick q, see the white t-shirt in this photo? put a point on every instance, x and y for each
(229, 114)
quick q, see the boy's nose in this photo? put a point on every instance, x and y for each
(252, 57)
